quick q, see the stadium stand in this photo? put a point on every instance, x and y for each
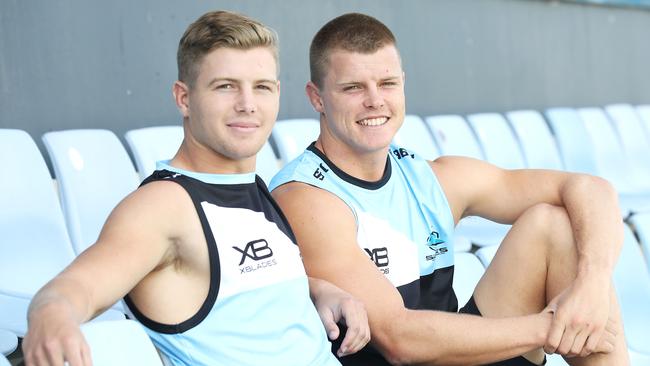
(120, 342)
(635, 140)
(94, 173)
(497, 140)
(292, 136)
(576, 149)
(151, 144)
(8, 342)
(415, 135)
(644, 113)
(535, 140)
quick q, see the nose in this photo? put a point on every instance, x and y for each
(245, 102)
(374, 99)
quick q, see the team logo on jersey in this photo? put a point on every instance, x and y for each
(379, 256)
(257, 250)
(435, 244)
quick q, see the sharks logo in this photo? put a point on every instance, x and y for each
(434, 243)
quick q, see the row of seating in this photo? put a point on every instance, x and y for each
(93, 172)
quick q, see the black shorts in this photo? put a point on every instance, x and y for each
(471, 308)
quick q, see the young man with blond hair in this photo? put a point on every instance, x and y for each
(358, 204)
(200, 252)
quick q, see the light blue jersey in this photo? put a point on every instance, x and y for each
(258, 310)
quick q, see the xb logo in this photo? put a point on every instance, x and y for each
(378, 255)
(255, 250)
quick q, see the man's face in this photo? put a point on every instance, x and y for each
(234, 102)
(361, 98)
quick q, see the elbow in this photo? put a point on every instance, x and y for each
(399, 350)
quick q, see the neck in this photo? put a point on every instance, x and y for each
(367, 166)
(201, 159)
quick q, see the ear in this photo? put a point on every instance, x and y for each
(181, 97)
(314, 97)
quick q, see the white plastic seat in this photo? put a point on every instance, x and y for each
(8, 342)
(468, 270)
(634, 137)
(94, 173)
(497, 139)
(266, 164)
(34, 245)
(4, 361)
(151, 144)
(486, 254)
(414, 135)
(535, 139)
(293, 136)
(122, 342)
(574, 144)
(454, 137)
(643, 112)
(641, 224)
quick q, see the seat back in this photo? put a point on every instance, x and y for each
(468, 270)
(94, 174)
(641, 224)
(497, 139)
(4, 361)
(608, 152)
(8, 342)
(535, 140)
(636, 143)
(415, 135)
(574, 144)
(34, 245)
(121, 342)
(632, 282)
(151, 144)
(266, 164)
(292, 136)
(643, 111)
(454, 137)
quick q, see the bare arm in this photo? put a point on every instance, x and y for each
(401, 335)
(592, 206)
(132, 243)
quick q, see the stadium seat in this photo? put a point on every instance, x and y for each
(94, 173)
(292, 136)
(267, 164)
(641, 225)
(644, 113)
(467, 272)
(612, 164)
(574, 144)
(34, 246)
(497, 139)
(635, 139)
(8, 342)
(535, 139)
(486, 254)
(151, 144)
(122, 342)
(632, 282)
(4, 361)
(454, 137)
(414, 135)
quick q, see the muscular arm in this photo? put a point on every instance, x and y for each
(592, 206)
(132, 243)
(326, 232)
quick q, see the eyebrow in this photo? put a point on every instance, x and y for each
(344, 83)
(216, 80)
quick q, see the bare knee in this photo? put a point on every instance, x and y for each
(550, 223)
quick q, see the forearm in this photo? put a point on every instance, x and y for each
(592, 206)
(64, 296)
(441, 338)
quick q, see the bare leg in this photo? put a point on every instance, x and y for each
(535, 262)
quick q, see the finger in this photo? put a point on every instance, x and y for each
(86, 354)
(54, 354)
(567, 341)
(350, 341)
(72, 354)
(554, 336)
(579, 343)
(327, 317)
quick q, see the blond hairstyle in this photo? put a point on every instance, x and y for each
(352, 32)
(219, 29)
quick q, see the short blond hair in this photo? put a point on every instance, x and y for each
(219, 29)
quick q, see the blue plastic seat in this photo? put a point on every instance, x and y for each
(644, 114)
(94, 173)
(468, 270)
(497, 139)
(4, 361)
(415, 135)
(535, 139)
(293, 136)
(574, 144)
(634, 137)
(8, 342)
(454, 137)
(151, 144)
(34, 245)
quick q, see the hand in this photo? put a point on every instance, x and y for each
(581, 323)
(335, 305)
(53, 338)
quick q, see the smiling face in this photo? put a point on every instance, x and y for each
(231, 108)
(361, 100)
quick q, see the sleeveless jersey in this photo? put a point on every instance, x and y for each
(404, 224)
(258, 310)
